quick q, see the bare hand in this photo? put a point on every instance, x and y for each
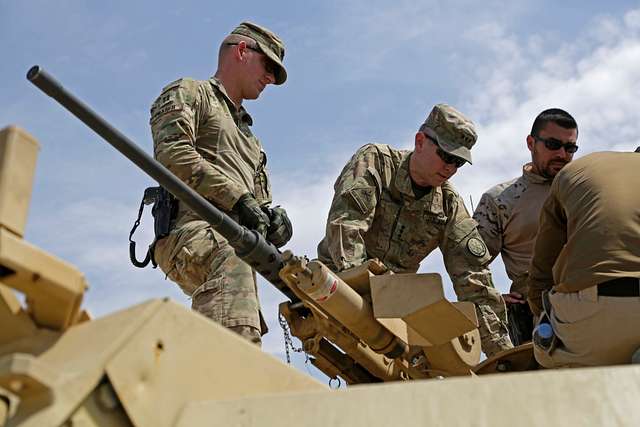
(514, 298)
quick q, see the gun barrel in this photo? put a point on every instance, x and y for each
(248, 244)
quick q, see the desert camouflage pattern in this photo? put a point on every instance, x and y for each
(507, 218)
(375, 214)
(202, 138)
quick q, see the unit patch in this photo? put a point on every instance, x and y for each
(476, 247)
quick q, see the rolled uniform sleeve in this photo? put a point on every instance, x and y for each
(352, 210)
(490, 226)
(176, 117)
(551, 238)
(466, 257)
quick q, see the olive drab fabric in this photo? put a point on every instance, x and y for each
(375, 214)
(507, 218)
(589, 226)
(588, 241)
(203, 139)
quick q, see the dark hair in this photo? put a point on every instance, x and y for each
(555, 115)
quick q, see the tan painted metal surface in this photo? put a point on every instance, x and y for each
(158, 356)
(314, 330)
(12, 313)
(18, 154)
(54, 287)
(580, 397)
(419, 300)
(358, 277)
(322, 290)
(517, 359)
(179, 356)
(408, 307)
(101, 408)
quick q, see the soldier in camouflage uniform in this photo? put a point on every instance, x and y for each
(398, 206)
(202, 134)
(508, 213)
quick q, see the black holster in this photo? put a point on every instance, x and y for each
(164, 211)
(520, 323)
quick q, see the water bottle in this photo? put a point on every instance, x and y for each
(543, 335)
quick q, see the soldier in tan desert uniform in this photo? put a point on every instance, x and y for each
(508, 213)
(398, 206)
(202, 134)
(585, 268)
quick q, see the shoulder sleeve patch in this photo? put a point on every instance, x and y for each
(476, 247)
(172, 85)
(175, 97)
(363, 199)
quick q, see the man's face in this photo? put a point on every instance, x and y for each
(259, 72)
(547, 162)
(427, 169)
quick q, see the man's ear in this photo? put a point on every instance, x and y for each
(420, 140)
(530, 142)
(240, 50)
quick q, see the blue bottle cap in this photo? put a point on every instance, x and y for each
(545, 330)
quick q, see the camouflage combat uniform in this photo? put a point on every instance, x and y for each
(375, 214)
(507, 217)
(203, 139)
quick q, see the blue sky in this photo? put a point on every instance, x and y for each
(359, 71)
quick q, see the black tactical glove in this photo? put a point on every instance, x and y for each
(280, 230)
(251, 215)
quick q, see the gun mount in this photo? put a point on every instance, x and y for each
(417, 334)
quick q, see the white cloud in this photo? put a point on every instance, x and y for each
(597, 84)
(632, 19)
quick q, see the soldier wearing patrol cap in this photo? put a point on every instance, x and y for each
(398, 206)
(201, 132)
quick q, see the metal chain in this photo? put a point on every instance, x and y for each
(288, 342)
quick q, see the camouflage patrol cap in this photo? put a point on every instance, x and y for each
(269, 44)
(453, 132)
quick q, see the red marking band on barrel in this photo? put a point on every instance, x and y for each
(324, 291)
(332, 290)
(333, 287)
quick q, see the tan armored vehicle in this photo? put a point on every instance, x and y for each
(158, 364)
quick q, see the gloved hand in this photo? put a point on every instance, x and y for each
(280, 230)
(251, 215)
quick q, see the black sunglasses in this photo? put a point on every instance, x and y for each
(553, 144)
(449, 159)
(270, 67)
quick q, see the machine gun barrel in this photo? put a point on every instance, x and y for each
(249, 245)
